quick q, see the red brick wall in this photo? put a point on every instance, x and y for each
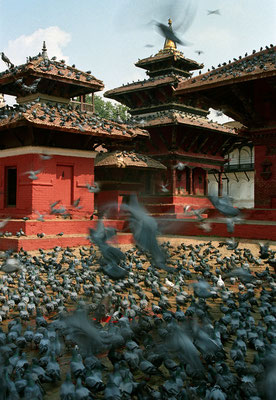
(39, 194)
(265, 189)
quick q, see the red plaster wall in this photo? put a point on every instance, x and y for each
(39, 194)
(109, 201)
(265, 190)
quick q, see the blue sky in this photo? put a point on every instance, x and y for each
(108, 36)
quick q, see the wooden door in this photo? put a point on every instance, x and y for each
(65, 184)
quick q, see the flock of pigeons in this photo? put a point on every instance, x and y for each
(240, 66)
(154, 322)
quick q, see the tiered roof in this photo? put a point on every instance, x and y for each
(54, 78)
(123, 159)
(182, 118)
(150, 83)
(258, 65)
(243, 89)
(65, 118)
(43, 88)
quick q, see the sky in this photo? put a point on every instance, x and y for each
(109, 36)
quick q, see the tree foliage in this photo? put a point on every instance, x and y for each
(108, 110)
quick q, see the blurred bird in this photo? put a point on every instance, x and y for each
(199, 52)
(144, 229)
(40, 216)
(76, 204)
(11, 265)
(45, 157)
(164, 188)
(33, 174)
(168, 33)
(224, 205)
(180, 166)
(111, 255)
(4, 222)
(213, 12)
(93, 189)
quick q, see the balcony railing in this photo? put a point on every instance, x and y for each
(239, 167)
(82, 106)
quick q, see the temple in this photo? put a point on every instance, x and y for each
(245, 90)
(48, 154)
(62, 166)
(180, 133)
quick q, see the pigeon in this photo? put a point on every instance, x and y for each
(111, 255)
(213, 12)
(6, 60)
(224, 205)
(93, 188)
(11, 265)
(45, 157)
(164, 188)
(144, 229)
(28, 88)
(180, 166)
(33, 174)
(40, 217)
(4, 222)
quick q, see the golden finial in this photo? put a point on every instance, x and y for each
(169, 44)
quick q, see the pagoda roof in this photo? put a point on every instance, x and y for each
(79, 82)
(123, 159)
(174, 118)
(258, 65)
(166, 55)
(66, 118)
(142, 85)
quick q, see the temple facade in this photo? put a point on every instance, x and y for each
(245, 90)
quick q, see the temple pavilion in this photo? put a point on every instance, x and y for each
(245, 90)
(180, 132)
(47, 155)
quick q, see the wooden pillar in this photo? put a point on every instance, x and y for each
(191, 181)
(206, 183)
(220, 183)
(93, 102)
(173, 181)
(82, 101)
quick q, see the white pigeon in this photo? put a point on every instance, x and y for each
(164, 188)
(180, 166)
(220, 283)
(169, 283)
(33, 174)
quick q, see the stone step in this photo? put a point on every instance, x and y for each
(32, 242)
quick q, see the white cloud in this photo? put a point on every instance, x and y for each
(30, 45)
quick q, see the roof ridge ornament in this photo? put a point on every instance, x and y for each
(44, 51)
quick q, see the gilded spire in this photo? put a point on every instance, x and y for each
(169, 44)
